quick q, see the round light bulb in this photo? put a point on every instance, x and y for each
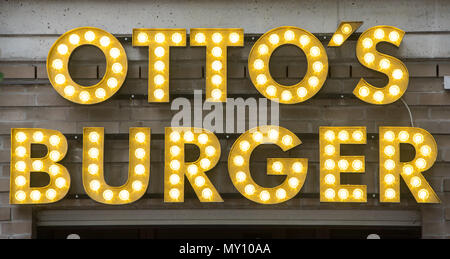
(238, 160)
(94, 185)
(343, 135)
(210, 150)
(403, 136)
(60, 79)
(50, 194)
(389, 136)
(159, 51)
(415, 181)
(60, 182)
(159, 65)
(389, 150)
(330, 179)
(205, 163)
(257, 136)
(139, 169)
(240, 176)
(137, 186)
(94, 136)
(274, 39)
(343, 164)
(249, 189)
(389, 179)
(397, 74)
(200, 37)
(418, 138)
(21, 151)
(286, 140)
(343, 194)
(105, 41)
(297, 167)
(394, 90)
(174, 136)
(69, 90)
(108, 195)
(93, 152)
(379, 34)
(421, 163)
(188, 136)
(264, 195)
(329, 135)
(112, 82)
(389, 164)
(286, 95)
(160, 38)
(317, 66)
(84, 96)
(244, 145)
(369, 58)
(117, 68)
(174, 193)
(62, 49)
(216, 52)
(139, 153)
(37, 165)
(57, 64)
(378, 96)
(114, 52)
(158, 93)
(124, 195)
(277, 166)
(314, 51)
(74, 39)
(35, 195)
(217, 37)
(174, 179)
(192, 169)
(100, 93)
(304, 40)
(258, 64)
(93, 169)
(330, 194)
(234, 37)
(207, 193)
(140, 137)
(20, 180)
(364, 91)
(338, 39)
(394, 36)
(142, 37)
(302, 92)
(289, 35)
(89, 36)
(199, 181)
(357, 164)
(263, 49)
(216, 65)
(280, 193)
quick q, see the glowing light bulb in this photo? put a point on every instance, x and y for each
(421, 163)
(346, 28)
(207, 193)
(389, 179)
(192, 169)
(274, 39)
(378, 96)
(20, 180)
(93, 169)
(37, 165)
(357, 164)
(158, 93)
(343, 194)
(216, 94)
(54, 140)
(280, 193)
(264, 195)
(217, 37)
(142, 37)
(175, 165)
(263, 49)
(54, 155)
(203, 138)
(69, 90)
(54, 169)
(117, 68)
(286, 95)
(415, 181)
(160, 38)
(174, 193)
(93, 152)
(423, 194)
(188, 136)
(240, 176)
(384, 63)
(216, 79)
(174, 179)
(329, 164)
(112, 82)
(21, 151)
(177, 38)
(20, 195)
(205, 163)
(257, 136)
(57, 64)
(216, 52)
(357, 135)
(314, 51)
(389, 136)
(317, 66)
(74, 39)
(124, 195)
(258, 64)
(277, 166)
(304, 40)
(20, 166)
(137, 185)
(114, 52)
(418, 138)
(403, 136)
(329, 150)
(394, 90)
(238, 160)
(234, 37)
(60, 79)
(94, 185)
(369, 58)
(389, 150)
(199, 181)
(394, 36)
(244, 145)
(174, 136)
(389, 164)
(329, 135)
(425, 150)
(139, 153)
(330, 194)
(159, 51)
(343, 135)
(159, 65)
(390, 193)
(379, 34)
(338, 39)
(210, 150)
(408, 169)
(89, 36)
(159, 79)
(367, 43)
(313, 81)
(62, 49)
(50, 194)
(273, 134)
(200, 37)
(108, 195)
(397, 74)
(216, 65)
(60, 182)
(139, 169)
(343, 164)
(261, 79)
(100, 93)
(330, 179)
(364, 91)
(249, 189)
(286, 140)
(140, 137)
(35, 195)
(302, 92)
(105, 41)
(297, 167)
(84, 96)
(289, 35)
(357, 194)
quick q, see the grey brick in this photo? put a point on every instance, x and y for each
(422, 69)
(5, 213)
(17, 71)
(16, 227)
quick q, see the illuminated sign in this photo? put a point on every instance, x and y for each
(216, 42)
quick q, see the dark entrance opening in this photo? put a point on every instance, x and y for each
(228, 232)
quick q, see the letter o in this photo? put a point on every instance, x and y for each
(316, 74)
(58, 61)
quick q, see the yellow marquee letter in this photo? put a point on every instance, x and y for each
(58, 69)
(393, 68)
(138, 170)
(22, 165)
(295, 169)
(391, 168)
(176, 167)
(159, 42)
(316, 73)
(332, 164)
